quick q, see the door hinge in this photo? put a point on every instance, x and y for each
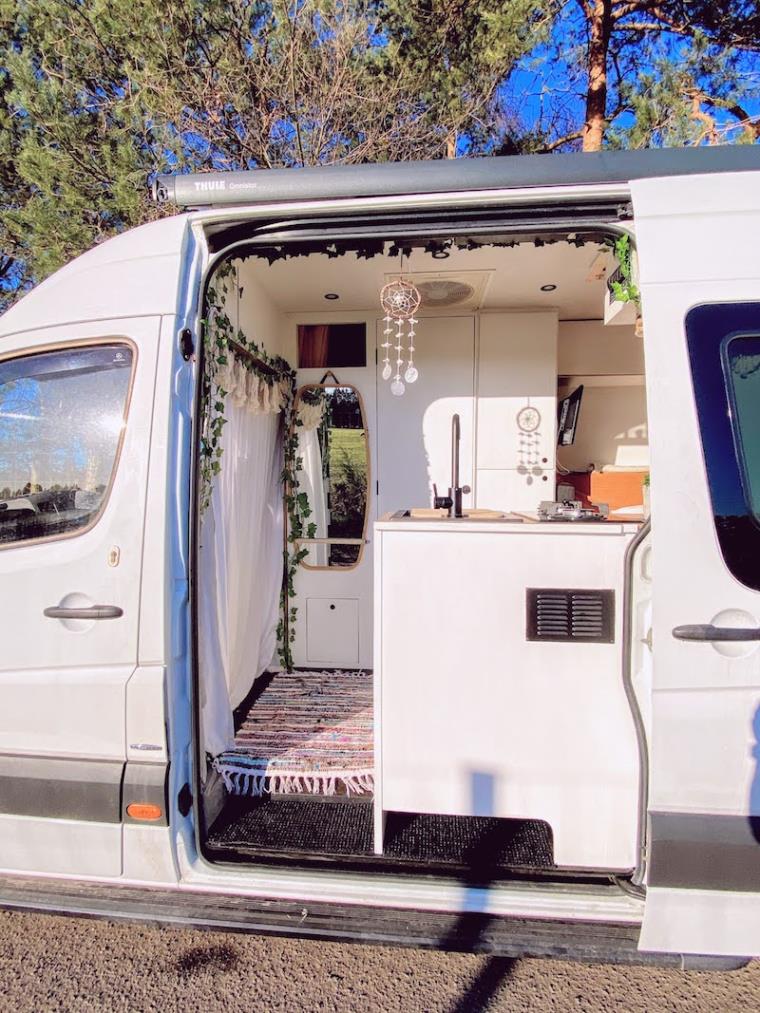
(186, 345)
(377, 488)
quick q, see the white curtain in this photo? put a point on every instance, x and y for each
(240, 568)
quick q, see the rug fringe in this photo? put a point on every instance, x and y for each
(257, 783)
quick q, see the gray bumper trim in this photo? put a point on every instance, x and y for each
(704, 851)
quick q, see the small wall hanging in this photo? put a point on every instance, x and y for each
(400, 299)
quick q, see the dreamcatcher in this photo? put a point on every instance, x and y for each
(400, 299)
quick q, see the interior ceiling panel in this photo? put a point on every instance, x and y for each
(517, 277)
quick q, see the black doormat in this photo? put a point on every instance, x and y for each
(343, 829)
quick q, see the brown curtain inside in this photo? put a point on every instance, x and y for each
(313, 345)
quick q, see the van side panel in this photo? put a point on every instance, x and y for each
(696, 246)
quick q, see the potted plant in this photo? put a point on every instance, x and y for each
(645, 494)
(621, 299)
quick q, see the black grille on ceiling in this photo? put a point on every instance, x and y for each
(570, 615)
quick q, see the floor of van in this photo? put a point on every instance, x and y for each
(298, 717)
(335, 829)
(309, 731)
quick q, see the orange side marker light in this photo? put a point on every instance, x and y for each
(144, 811)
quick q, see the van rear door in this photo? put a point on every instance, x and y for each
(75, 421)
(700, 282)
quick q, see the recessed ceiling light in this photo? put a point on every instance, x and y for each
(548, 288)
(331, 296)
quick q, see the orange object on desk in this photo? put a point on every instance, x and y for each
(615, 488)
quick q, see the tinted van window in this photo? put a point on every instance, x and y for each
(742, 367)
(62, 418)
(724, 352)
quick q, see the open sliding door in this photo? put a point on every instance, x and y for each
(700, 280)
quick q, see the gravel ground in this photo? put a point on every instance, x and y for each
(52, 963)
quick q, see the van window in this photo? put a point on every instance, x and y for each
(62, 418)
(724, 352)
(742, 367)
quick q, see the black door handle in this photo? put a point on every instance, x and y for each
(92, 612)
(707, 633)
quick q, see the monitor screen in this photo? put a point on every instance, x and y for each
(568, 410)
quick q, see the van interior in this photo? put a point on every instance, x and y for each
(423, 558)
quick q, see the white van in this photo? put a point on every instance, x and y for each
(331, 600)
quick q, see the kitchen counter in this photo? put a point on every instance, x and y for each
(400, 520)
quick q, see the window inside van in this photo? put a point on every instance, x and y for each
(62, 416)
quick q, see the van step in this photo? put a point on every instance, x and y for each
(497, 936)
(313, 826)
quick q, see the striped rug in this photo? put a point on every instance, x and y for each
(308, 732)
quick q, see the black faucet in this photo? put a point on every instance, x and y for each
(452, 502)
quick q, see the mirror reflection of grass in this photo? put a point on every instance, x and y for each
(348, 490)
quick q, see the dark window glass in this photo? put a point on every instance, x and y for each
(724, 352)
(742, 368)
(331, 346)
(62, 416)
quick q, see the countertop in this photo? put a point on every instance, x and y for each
(512, 523)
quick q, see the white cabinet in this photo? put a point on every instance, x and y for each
(414, 431)
(332, 631)
(475, 718)
(517, 368)
(509, 489)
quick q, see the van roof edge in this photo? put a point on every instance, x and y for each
(382, 179)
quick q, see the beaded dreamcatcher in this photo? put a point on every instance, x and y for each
(400, 299)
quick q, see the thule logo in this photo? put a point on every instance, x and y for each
(212, 184)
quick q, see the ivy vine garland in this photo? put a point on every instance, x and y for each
(218, 333)
(625, 289)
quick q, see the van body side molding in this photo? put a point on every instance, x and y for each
(63, 789)
(94, 790)
(704, 851)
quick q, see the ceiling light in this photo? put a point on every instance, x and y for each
(548, 288)
(332, 296)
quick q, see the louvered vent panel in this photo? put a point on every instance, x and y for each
(571, 616)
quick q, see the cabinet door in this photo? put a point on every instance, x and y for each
(517, 370)
(332, 631)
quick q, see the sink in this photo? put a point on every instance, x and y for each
(472, 514)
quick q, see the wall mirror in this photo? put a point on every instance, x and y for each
(332, 474)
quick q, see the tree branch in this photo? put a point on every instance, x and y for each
(622, 10)
(585, 6)
(553, 145)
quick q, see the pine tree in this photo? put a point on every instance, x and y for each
(464, 49)
(680, 68)
(98, 96)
